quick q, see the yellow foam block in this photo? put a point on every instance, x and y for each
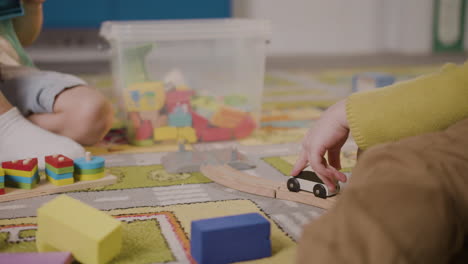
(89, 177)
(21, 173)
(66, 224)
(165, 133)
(188, 134)
(60, 182)
(1, 172)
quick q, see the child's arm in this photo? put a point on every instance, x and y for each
(425, 104)
(29, 26)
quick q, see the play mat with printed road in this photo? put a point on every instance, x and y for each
(157, 207)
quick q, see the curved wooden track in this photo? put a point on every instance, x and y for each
(234, 179)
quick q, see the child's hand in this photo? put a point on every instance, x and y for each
(326, 136)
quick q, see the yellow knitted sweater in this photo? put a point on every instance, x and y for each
(426, 104)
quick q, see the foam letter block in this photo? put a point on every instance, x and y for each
(187, 134)
(215, 134)
(36, 258)
(66, 224)
(165, 133)
(230, 239)
(244, 128)
(227, 117)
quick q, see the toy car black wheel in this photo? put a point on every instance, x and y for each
(293, 185)
(320, 191)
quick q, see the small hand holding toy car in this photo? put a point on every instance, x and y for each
(309, 181)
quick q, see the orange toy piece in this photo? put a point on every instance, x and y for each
(227, 117)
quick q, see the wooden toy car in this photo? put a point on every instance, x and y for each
(309, 181)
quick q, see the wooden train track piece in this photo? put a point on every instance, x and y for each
(216, 174)
(234, 179)
(244, 177)
(44, 188)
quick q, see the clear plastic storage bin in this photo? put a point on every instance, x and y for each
(188, 80)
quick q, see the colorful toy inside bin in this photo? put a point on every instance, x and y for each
(188, 80)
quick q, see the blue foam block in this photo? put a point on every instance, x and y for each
(95, 163)
(230, 239)
(56, 176)
(2, 179)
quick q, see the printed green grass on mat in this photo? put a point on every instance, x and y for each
(150, 176)
(279, 164)
(27, 233)
(154, 248)
(15, 247)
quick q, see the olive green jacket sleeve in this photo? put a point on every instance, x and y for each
(429, 103)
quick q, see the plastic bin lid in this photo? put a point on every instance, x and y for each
(150, 30)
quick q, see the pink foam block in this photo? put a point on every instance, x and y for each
(36, 258)
(244, 128)
(215, 134)
(145, 131)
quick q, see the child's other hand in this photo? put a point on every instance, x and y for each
(327, 135)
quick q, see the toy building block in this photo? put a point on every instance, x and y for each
(370, 80)
(145, 96)
(2, 182)
(21, 174)
(244, 128)
(66, 224)
(187, 134)
(89, 168)
(227, 117)
(180, 117)
(178, 97)
(215, 134)
(135, 119)
(156, 119)
(10, 9)
(198, 121)
(59, 170)
(145, 130)
(36, 258)
(230, 239)
(165, 133)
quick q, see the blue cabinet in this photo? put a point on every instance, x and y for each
(90, 13)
